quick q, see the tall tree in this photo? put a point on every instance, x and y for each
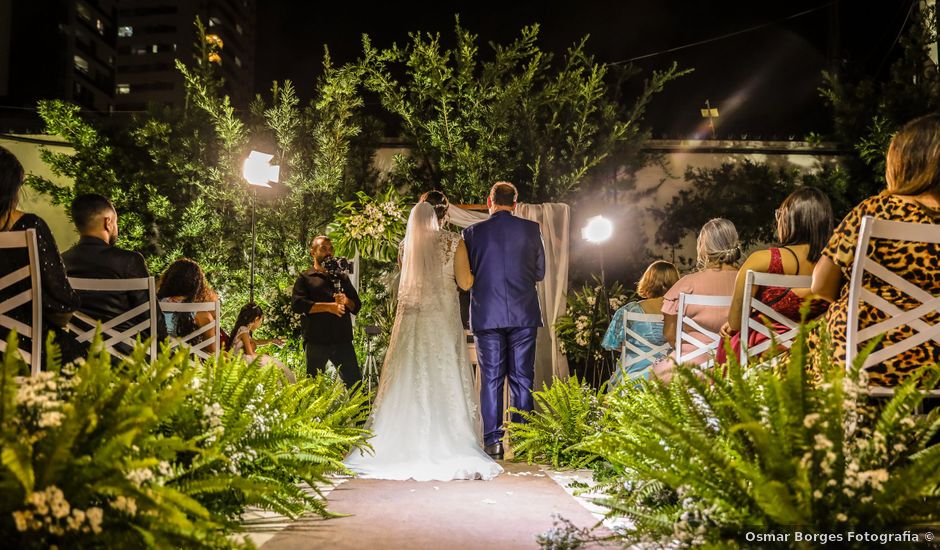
(521, 115)
(175, 177)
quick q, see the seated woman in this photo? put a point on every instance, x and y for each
(912, 171)
(718, 252)
(59, 301)
(658, 278)
(249, 319)
(804, 225)
(184, 283)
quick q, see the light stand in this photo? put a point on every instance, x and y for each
(254, 240)
(597, 231)
(258, 172)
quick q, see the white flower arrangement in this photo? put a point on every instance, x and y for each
(53, 513)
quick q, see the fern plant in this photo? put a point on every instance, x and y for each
(258, 438)
(566, 413)
(162, 454)
(711, 454)
(84, 464)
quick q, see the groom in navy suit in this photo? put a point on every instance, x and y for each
(506, 259)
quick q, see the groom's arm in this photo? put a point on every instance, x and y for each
(539, 255)
(462, 267)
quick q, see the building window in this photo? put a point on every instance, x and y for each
(214, 21)
(83, 12)
(238, 27)
(123, 89)
(140, 50)
(81, 64)
(126, 31)
(155, 48)
(99, 24)
(238, 62)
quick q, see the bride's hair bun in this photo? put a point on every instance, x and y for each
(439, 201)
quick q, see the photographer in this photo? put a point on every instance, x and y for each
(326, 298)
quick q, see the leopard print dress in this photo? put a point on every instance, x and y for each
(918, 263)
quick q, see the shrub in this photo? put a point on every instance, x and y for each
(566, 413)
(163, 454)
(712, 455)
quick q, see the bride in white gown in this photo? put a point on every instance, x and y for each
(425, 418)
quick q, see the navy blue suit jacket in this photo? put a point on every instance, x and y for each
(507, 260)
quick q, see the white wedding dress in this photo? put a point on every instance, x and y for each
(425, 418)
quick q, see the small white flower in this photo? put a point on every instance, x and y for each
(21, 520)
(811, 419)
(139, 476)
(95, 516)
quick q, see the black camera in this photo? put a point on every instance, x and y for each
(336, 266)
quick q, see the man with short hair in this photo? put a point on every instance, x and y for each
(96, 257)
(327, 315)
(506, 259)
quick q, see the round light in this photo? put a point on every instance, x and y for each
(597, 230)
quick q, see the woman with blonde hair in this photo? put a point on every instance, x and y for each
(718, 251)
(912, 171)
(658, 278)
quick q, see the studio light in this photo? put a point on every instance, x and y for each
(257, 169)
(597, 230)
(258, 172)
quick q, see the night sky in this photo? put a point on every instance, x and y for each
(764, 81)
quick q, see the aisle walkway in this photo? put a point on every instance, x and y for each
(506, 513)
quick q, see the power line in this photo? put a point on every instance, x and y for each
(724, 36)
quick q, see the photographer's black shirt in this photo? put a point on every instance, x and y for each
(323, 328)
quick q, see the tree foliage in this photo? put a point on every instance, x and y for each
(867, 108)
(519, 116)
(175, 177)
(747, 193)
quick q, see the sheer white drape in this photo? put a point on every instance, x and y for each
(554, 219)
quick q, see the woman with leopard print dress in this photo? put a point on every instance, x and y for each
(913, 195)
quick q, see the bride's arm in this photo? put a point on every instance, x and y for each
(462, 266)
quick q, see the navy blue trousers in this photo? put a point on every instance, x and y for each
(504, 352)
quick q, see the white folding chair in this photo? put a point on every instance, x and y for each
(914, 318)
(652, 351)
(197, 348)
(683, 323)
(784, 337)
(33, 331)
(85, 326)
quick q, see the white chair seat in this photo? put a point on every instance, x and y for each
(32, 295)
(197, 348)
(652, 352)
(782, 338)
(914, 318)
(707, 347)
(85, 326)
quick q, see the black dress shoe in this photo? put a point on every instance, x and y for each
(495, 450)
